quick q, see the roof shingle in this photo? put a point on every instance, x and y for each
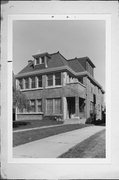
(57, 60)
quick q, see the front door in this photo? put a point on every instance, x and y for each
(70, 107)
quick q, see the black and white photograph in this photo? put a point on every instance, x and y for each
(59, 106)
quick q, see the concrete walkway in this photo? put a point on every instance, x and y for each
(56, 145)
(34, 128)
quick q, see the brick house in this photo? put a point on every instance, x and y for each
(56, 86)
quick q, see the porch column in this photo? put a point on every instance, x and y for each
(77, 106)
(64, 108)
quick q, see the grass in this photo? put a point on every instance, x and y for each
(32, 135)
(33, 123)
(93, 147)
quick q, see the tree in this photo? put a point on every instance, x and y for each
(20, 100)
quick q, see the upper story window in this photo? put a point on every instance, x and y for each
(50, 80)
(21, 83)
(39, 81)
(37, 60)
(40, 60)
(26, 83)
(54, 79)
(33, 82)
(58, 79)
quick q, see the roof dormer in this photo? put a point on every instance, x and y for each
(41, 59)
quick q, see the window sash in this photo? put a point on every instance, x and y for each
(57, 105)
(50, 80)
(37, 61)
(58, 79)
(49, 106)
(32, 105)
(26, 83)
(39, 81)
(21, 83)
(39, 105)
(42, 60)
(32, 82)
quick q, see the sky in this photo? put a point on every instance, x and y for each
(72, 38)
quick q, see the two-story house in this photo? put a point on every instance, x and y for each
(56, 86)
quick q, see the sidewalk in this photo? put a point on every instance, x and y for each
(34, 128)
(56, 145)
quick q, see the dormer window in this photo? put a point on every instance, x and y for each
(40, 60)
(37, 61)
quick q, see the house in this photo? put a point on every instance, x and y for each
(56, 86)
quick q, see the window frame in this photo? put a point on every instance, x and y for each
(37, 61)
(40, 80)
(49, 113)
(50, 80)
(53, 80)
(59, 78)
(21, 83)
(31, 106)
(53, 106)
(60, 111)
(42, 60)
(39, 100)
(27, 78)
(33, 82)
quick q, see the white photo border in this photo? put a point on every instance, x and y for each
(78, 17)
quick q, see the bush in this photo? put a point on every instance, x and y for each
(20, 123)
(91, 119)
(57, 118)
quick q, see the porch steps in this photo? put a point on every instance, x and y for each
(75, 121)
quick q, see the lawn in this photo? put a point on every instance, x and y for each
(33, 123)
(32, 135)
(93, 147)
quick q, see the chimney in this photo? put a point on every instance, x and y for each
(29, 61)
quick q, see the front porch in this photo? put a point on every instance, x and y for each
(74, 109)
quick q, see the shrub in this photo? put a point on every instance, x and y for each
(89, 120)
(57, 118)
(20, 123)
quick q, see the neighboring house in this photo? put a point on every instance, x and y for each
(56, 86)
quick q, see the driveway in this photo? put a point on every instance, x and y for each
(54, 146)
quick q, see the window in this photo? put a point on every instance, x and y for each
(54, 106)
(39, 81)
(49, 104)
(26, 83)
(50, 80)
(54, 79)
(32, 82)
(37, 61)
(42, 60)
(58, 79)
(39, 104)
(21, 83)
(57, 105)
(32, 105)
